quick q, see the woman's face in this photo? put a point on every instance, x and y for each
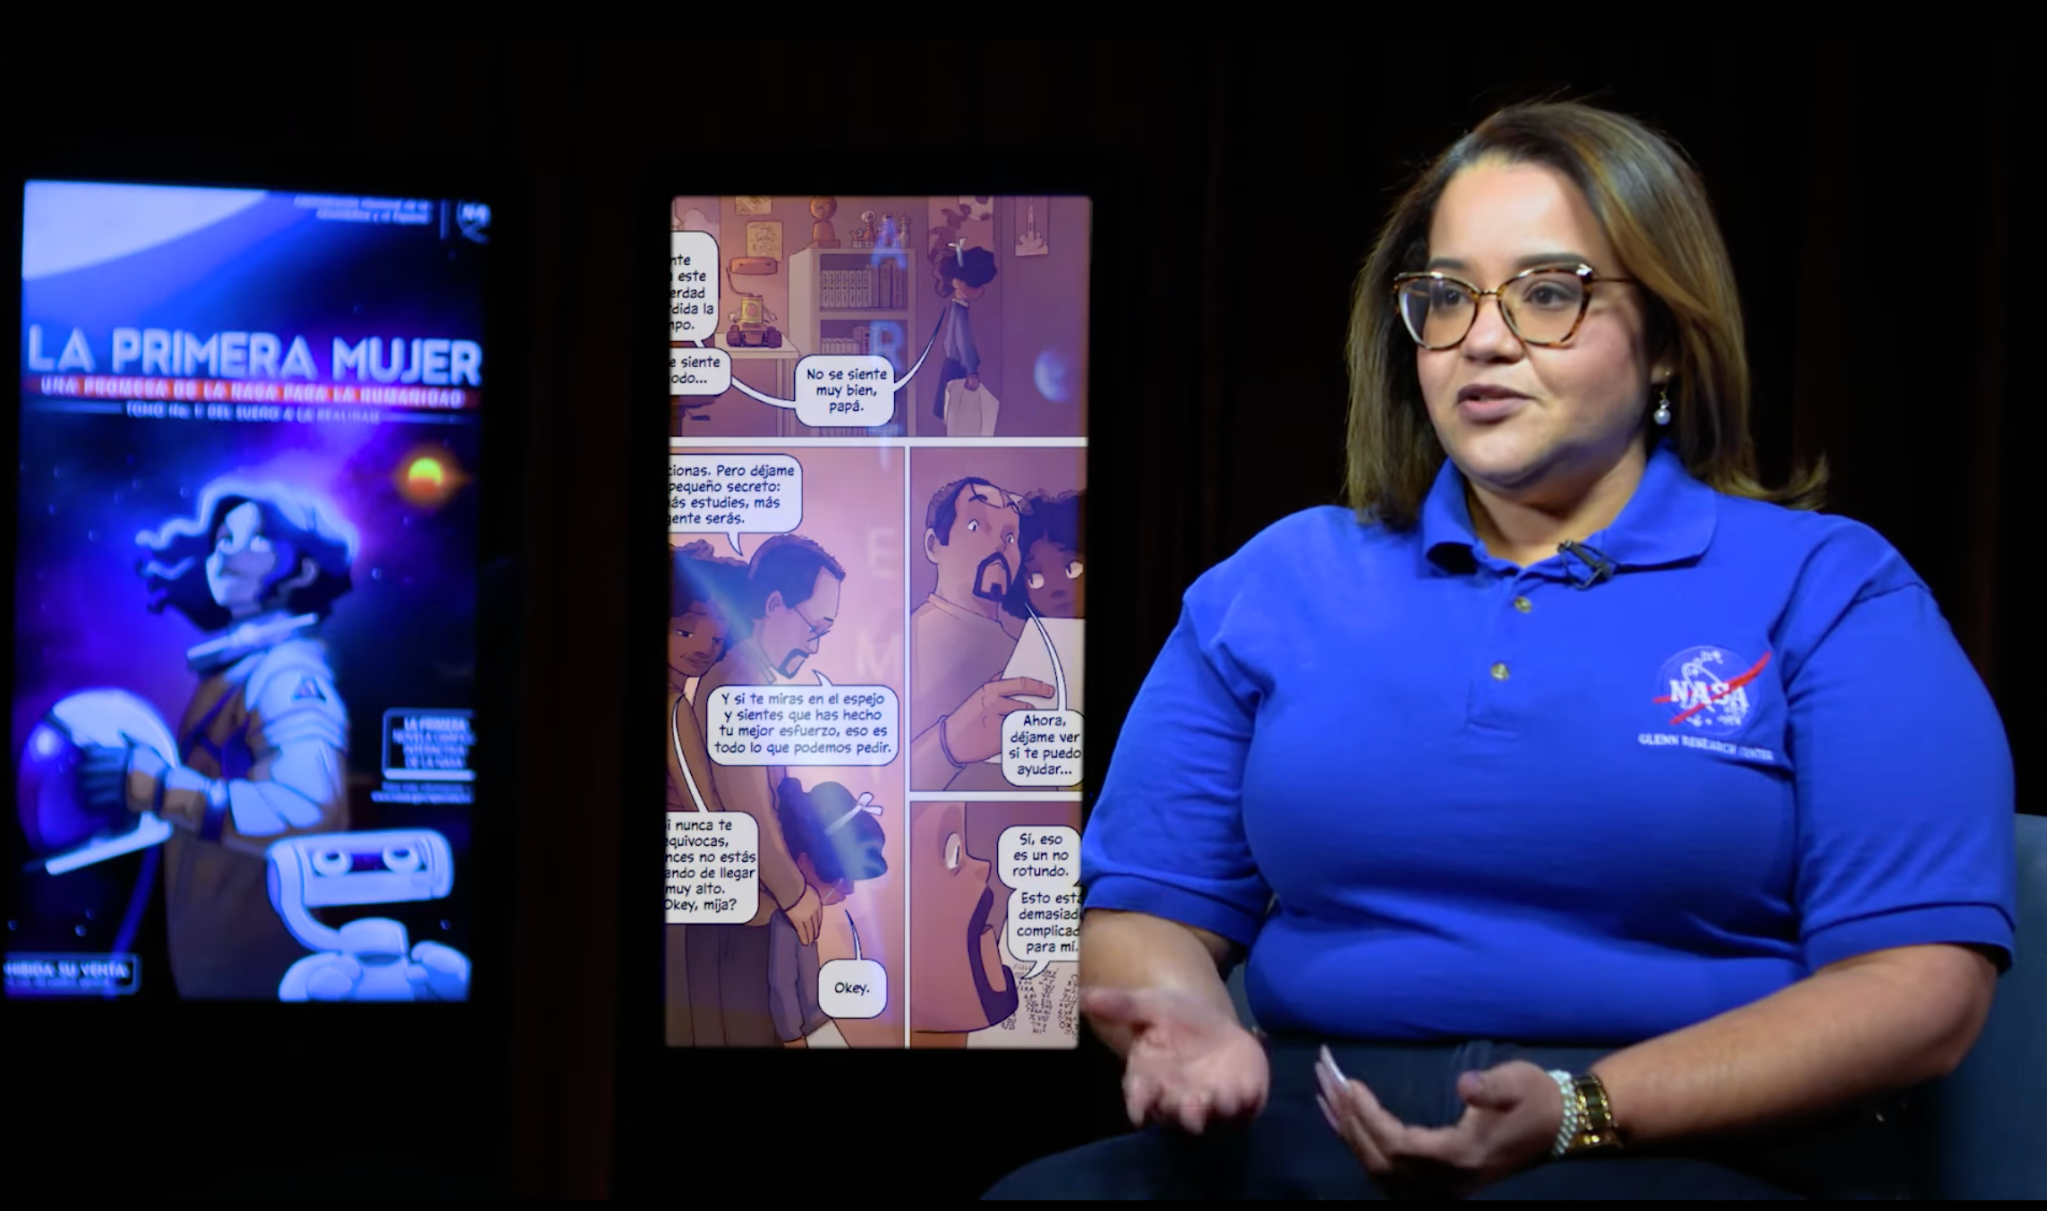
(1053, 575)
(1537, 425)
(695, 642)
(242, 560)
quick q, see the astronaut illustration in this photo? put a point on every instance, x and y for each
(263, 743)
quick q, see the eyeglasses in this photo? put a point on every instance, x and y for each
(1543, 306)
(816, 631)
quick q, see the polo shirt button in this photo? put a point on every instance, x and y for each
(1522, 604)
(1500, 672)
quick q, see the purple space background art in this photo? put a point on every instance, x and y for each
(293, 386)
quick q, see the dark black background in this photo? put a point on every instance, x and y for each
(1869, 194)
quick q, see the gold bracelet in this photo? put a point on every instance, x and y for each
(1597, 1132)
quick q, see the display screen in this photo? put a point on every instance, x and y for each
(245, 593)
(877, 574)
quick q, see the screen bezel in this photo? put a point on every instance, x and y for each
(1053, 1088)
(468, 1041)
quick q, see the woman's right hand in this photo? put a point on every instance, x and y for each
(1189, 1063)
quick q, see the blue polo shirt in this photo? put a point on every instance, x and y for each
(1546, 805)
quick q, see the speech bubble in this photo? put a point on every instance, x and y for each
(705, 371)
(1041, 748)
(848, 389)
(734, 494)
(789, 724)
(692, 286)
(852, 988)
(1042, 868)
(1054, 657)
(713, 868)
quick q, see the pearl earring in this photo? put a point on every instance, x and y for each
(1662, 414)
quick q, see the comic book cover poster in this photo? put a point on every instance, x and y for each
(876, 665)
(245, 594)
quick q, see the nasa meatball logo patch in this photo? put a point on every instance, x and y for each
(1704, 695)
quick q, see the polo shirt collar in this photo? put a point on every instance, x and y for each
(1668, 520)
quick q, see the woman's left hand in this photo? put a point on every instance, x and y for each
(1511, 1116)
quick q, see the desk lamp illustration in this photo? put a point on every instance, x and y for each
(372, 958)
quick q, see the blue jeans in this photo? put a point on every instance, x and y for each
(1288, 1152)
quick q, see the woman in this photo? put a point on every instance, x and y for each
(1050, 534)
(963, 276)
(700, 631)
(264, 739)
(703, 588)
(1570, 790)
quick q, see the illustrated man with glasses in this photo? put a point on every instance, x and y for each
(792, 600)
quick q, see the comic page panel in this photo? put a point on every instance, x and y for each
(785, 814)
(245, 646)
(995, 924)
(998, 581)
(879, 316)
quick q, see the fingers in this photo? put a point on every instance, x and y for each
(1167, 1095)
(1146, 1099)
(808, 918)
(1233, 1101)
(1242, 1094)
(1375, 1136)
(1193, 1107)
(1504, 1087)
(1332, 1098)
(105, 759)
(1140, 1094)
(1029, 687)
(1434, 1154)
(1497, 1134)
(1444, 1145)
(1503, 1109)
(1361, 1144)
(1477, 1091)
(1010, 706)
(1386, 1131)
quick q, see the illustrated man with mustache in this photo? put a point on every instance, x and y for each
(958, 644)
(791, 601)
(958, 981)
